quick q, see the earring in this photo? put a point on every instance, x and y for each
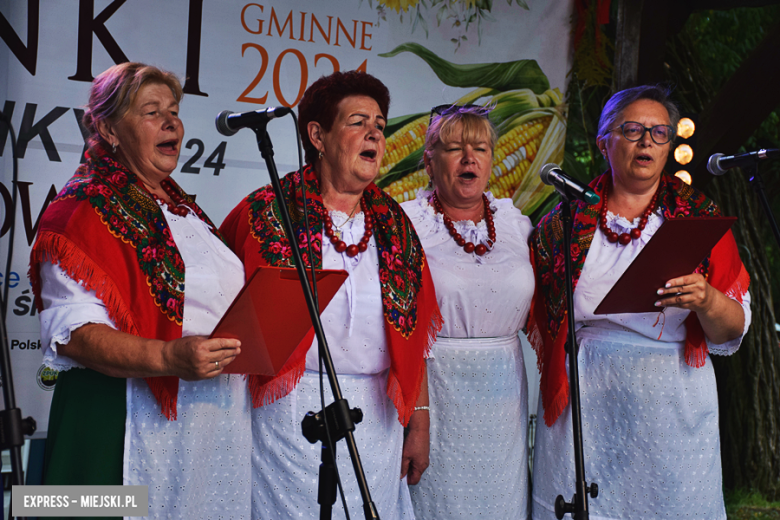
(321, 155)
(430, 184)
(487, 188)
(113, 147)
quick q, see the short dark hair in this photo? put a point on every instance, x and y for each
(114, 90)
(621, 100)
(320, 102)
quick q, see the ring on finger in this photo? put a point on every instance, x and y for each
(217, 364)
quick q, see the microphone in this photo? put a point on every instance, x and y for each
(552, 175)
(228, 123)
(719, 163)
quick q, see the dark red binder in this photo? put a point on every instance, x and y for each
(271, 319)
(676, 249)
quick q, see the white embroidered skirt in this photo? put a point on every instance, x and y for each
(479, 418)
(198, 466)
(286, 466)
(650, 433)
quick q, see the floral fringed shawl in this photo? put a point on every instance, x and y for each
(412, 317)
(547, 323)
(106, 232)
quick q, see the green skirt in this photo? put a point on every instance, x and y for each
(85, 442)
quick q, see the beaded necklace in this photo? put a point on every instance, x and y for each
(624, 238)
(335, 236)
(469, 247)
(177, 206)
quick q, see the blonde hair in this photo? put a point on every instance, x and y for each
(474, 126)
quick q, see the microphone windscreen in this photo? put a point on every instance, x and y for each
(544, 173)
(222, 123)
(713, 164)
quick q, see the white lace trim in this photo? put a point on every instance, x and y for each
(61, 363)
(339, 218)
(462, 226)
(624, 224)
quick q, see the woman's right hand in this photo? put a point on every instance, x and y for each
(118, 354)
(193, 358)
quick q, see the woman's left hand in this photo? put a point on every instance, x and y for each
(414, 460)
(721, 318)
(691, 292)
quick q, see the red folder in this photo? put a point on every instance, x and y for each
(676, 249)
(270, 317)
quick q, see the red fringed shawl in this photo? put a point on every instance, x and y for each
(106, 232)
(254, 231)
(547, 322)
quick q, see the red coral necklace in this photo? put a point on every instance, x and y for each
(335, 236)
(625, 238)
(469, 247)
(177, 206)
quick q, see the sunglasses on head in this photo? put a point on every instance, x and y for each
(445, 110)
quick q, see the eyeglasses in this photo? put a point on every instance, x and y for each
(633, 131)
(445, 110)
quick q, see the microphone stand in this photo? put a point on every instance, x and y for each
(338, 413)
(12, 427)
(755, 180)
(578, 507)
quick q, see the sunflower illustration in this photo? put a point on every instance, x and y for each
(461, 14)
(398, 5)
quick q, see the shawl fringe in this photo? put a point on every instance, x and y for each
(265, 393)
(740, 286)
(555, 404)
(55, 248)
(534, 333)
(394, 391)
(165, 395)
(396, 395)
(538, 337)
(696, 349)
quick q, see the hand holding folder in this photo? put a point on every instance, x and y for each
(270, 317)
(676, 249)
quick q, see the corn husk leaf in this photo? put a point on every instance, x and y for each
(531, 192)
(396, 123)
(409, 164)
(513, 75)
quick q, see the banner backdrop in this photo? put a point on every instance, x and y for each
(239, 56)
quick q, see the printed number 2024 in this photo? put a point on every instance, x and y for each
(216, 160)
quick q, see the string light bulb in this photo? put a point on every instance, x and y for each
(685, 128)
(684, 176)
(683, 154)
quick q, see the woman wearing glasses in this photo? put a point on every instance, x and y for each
(649, 401)
(477, 250)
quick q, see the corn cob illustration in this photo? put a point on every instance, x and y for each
(514, 154)
(403, 142)
(406, 188)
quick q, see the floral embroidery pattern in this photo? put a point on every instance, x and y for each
(401, 258)
(131, 215)
(266, 221)
(401, 261)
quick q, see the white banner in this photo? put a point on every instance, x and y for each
(240, 56)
